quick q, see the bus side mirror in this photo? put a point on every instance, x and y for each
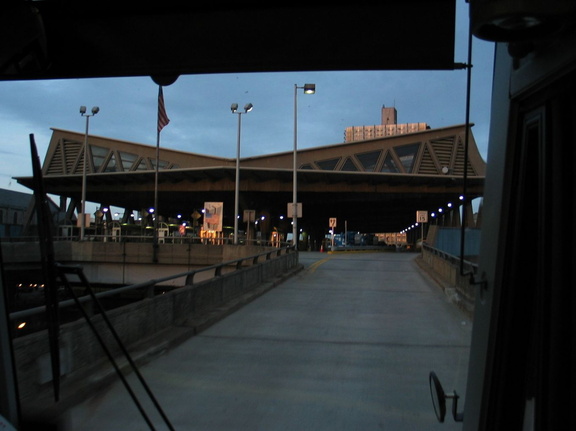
(439, 399)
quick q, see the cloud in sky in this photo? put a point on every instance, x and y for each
(199, 108)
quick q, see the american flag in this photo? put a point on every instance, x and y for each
(163, 119)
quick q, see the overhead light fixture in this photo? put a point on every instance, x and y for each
(234, 108)
(513, 21)
(309, 88)
(248, 107)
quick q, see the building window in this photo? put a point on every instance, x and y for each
(127, 160)
(389, 165)
(162, 164)
(407, 156)
(369, 160)
(349, 166)
(99, 155)
(142, 165)
(328, 165)
(111, 165)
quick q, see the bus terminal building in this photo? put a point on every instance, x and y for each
(372, 185)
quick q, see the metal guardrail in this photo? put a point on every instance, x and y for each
(151, 284)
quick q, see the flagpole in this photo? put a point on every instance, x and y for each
(162, 121)
(155, 214)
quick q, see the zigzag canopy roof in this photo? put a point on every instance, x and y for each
(388, 178)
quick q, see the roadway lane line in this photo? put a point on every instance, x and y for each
(316, 264)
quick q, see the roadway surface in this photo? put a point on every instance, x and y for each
(345, 344)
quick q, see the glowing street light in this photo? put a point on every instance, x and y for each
(83, 113)
(308, 89)
(234, 108)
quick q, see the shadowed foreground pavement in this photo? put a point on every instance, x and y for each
(346, 344)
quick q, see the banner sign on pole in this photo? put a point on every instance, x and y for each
(213, 216)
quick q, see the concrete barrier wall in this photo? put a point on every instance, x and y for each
(81, 354)
(447, 269)
(131, 263)
(130, 252)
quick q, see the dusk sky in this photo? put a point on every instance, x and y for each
(198, 107)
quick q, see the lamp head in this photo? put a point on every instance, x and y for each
(82, 110)
(95, 110)
(248, 107)
(234, 108)
(309, 88)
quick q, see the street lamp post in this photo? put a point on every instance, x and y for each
(308, 89)
(234, 108)
(83, 113)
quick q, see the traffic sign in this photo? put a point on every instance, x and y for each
(332, 222)
(291, 210)
(422, 216)
(249, 216)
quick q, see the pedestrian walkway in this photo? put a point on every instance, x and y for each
(346, 344)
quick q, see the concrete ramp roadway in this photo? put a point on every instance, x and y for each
(346, 344)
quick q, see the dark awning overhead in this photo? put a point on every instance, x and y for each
(72, 39)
